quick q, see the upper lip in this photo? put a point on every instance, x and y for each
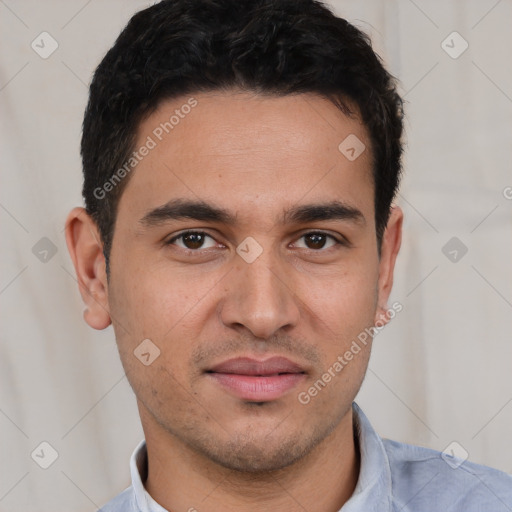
(250, 366)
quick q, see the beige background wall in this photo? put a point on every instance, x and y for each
(441, 372)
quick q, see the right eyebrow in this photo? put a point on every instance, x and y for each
(185, 209)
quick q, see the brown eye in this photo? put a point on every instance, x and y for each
(316, 241)
(193, 240)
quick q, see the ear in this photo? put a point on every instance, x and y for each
(86, 250)
(391, 241)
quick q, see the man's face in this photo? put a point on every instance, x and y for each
(302, 285)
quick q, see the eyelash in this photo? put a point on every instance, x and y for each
(337, 241)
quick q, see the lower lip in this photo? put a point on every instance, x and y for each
(258, 389)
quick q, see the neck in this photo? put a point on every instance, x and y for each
(180, 479)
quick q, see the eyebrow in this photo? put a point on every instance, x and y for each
(178, 209)
(334, 210)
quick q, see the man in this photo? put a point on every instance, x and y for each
(240, 162)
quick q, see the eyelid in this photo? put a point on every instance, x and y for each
(337, 237)
(170, 241)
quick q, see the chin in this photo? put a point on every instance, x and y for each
(255, 458)
(265, 451)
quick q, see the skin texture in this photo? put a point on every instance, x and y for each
(256, 157)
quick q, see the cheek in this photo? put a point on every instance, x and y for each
(147, 303)
(345, 303)
(343, 318)
(150, 307)
(153, 303)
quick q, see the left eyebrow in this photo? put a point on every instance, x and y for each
(334, 210)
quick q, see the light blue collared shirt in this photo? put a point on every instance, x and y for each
(393, 477)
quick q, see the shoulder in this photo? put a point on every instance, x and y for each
(425, 479)
(124, 502)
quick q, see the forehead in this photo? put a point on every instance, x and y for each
(240, 149)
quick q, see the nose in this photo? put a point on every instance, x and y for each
(260, 298)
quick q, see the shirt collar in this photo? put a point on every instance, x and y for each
(139, 473)
(372, 492)
(373, 489)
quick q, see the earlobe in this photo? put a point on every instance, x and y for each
(390, 247)
(86, 251)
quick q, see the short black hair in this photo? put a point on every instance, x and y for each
(270, 47)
